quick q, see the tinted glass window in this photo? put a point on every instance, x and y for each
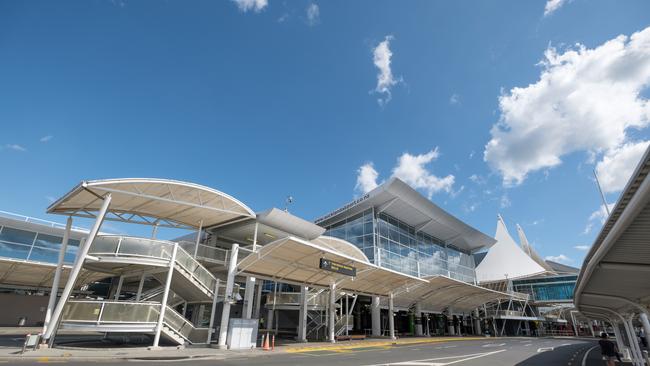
(48, 241)
(15, 251)
(17, 236)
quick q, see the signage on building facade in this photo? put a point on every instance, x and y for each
(336, 267)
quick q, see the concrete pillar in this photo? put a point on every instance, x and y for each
(375, 314)
(450, 322)
(477, 323)
(302, 315)
(418, 319)
(332, 313)
(269, 318)
(391, 317)
(248, 298)
(230, 283)
(258, 299)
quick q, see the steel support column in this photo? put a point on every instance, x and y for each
(418, 319)
(76, 268)
(302, 315)
(163, 302)
(391, 317)
(230, 283)
(57, 274)
(332, 313)
(215, 299)
(248, 297)
(376, 316)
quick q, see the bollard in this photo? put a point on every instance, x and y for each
(273, 343)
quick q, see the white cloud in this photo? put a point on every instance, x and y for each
(313, 14)
(454, 99)
(598, 216)
(411, 169)
(255, 5)
(478, 179)
(585, 100)
(385, 80)
(46, 138)
(366, 178)
(553, 5)
(504, 202)
(582, 247)
(559, 259)
(618, 164)
(15, 147)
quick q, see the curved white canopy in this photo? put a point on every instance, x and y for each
(294, 260)
(341, 246)
(441, 293)
(162, 202)
(506, 260)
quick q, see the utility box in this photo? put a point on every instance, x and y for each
(242, 333)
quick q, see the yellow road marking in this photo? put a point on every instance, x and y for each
(377, 344)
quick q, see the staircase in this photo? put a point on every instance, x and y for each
(120, 255)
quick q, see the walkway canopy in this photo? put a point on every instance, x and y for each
(295, 260)
(34, 274)
(162, 202)
(441, 292)
(614, 275)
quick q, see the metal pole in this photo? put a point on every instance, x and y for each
(213, 310)
(347, 315)
(391, 317)
(633, 341)
(138, 295)
(198, 239)
(332, 312)
(57, 274)
(154, 231)
(230, 282)
(163, 302)
(76, 268)
(602, 195)
(255, 238)
(119, 288)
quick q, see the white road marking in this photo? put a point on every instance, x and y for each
(584, 358)
(544, 349)
(529, 344)
(428, 362)
(494, 345)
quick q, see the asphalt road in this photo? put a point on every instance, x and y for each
(499, 351)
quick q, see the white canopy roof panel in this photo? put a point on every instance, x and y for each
(506, 260)
(441, 293)
(295, 260)
(528, 249)
(150, 201)
(289, 223)
(39, 274)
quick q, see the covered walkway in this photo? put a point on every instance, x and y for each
(613, 283)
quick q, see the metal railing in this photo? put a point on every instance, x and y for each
(128, 246)
(293, 298)
(110, 312)
(103, 313)
(206, 253)
(428, 266)
(34, 220)
(343, 322)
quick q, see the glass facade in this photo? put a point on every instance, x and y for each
(393, 244)
(34, 246)
(555, 288)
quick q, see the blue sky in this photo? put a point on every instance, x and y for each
(265, 99)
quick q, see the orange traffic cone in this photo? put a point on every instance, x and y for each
(265, 342)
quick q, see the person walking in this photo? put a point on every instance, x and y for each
(608, 349)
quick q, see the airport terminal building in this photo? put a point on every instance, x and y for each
(390, 263)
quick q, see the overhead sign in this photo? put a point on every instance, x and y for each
(335, 267)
